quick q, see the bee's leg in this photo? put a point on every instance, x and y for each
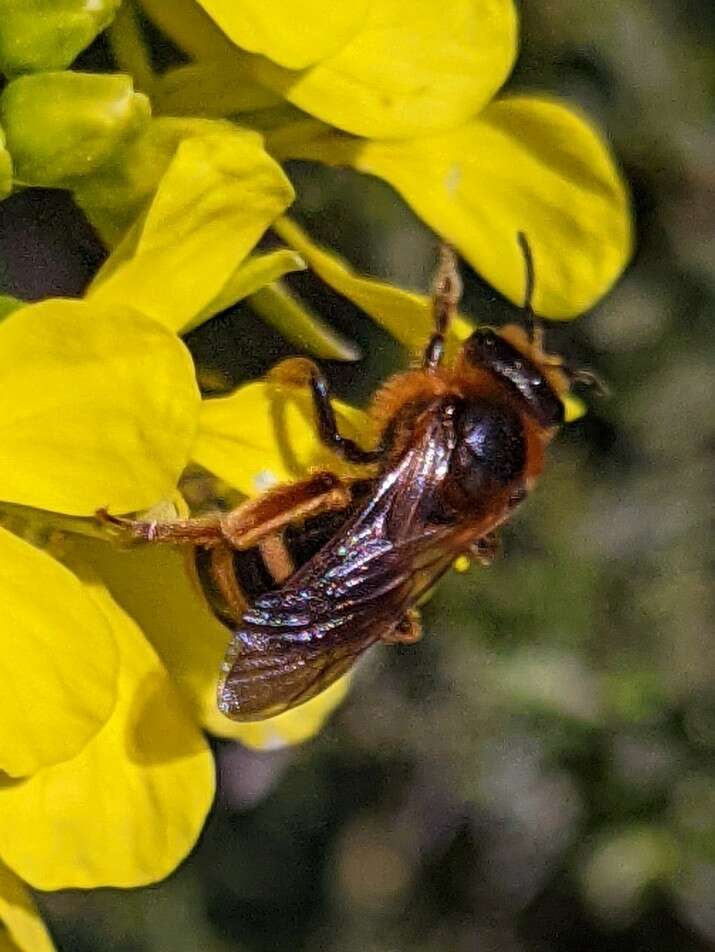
(258, 519)
(301, 371)
(486, 549)
(245, 526)
(446, 292)
(204, 531)
(408, 630)
(224, 575)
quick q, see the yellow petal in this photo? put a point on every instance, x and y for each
(526, 164)
(292, 34)
(58, 663)
(252, 274)
(115, 196)
(414, 67)
(404, 314)
(298, 323)
(264, 433)
(189, 27)
(210, 88)
(248, 280)
(21, 928)
(98, 408)
(214, 202)
(130, 806)
(574, 408)
(155, 585)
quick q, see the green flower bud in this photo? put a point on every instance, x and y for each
(48, 34)
(61, 126)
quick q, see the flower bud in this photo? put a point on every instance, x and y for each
(48, 34)
(62, 126)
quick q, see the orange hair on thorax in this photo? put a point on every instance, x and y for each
(415, 387)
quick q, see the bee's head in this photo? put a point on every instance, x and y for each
(517, 362)
(515, 354)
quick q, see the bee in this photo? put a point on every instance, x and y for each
(310, 575)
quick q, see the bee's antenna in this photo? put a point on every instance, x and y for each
(532, 329)
(535, 330)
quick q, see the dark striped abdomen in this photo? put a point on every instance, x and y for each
(263, 568)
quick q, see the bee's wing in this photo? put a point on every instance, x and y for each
(294, 642)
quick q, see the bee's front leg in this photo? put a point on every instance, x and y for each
(446, 293)
(301, 371)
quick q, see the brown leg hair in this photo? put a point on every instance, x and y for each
(203, 531)
(257, 519)
(245, 526)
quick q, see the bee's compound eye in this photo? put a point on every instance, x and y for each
(488, 349)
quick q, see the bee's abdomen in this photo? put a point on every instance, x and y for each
(265, 568)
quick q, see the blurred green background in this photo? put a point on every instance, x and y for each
(537, 773)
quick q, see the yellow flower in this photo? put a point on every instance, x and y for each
(97, 406)
(185, 258)
(110, 659)
(409, 99)
(182, 205)
(107, 776)
(397, 68)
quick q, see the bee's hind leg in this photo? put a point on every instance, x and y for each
(202, 531)
(246, 525)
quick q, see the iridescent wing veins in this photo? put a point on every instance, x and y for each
(295, 641)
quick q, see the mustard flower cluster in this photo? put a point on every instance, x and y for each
(109, 659)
